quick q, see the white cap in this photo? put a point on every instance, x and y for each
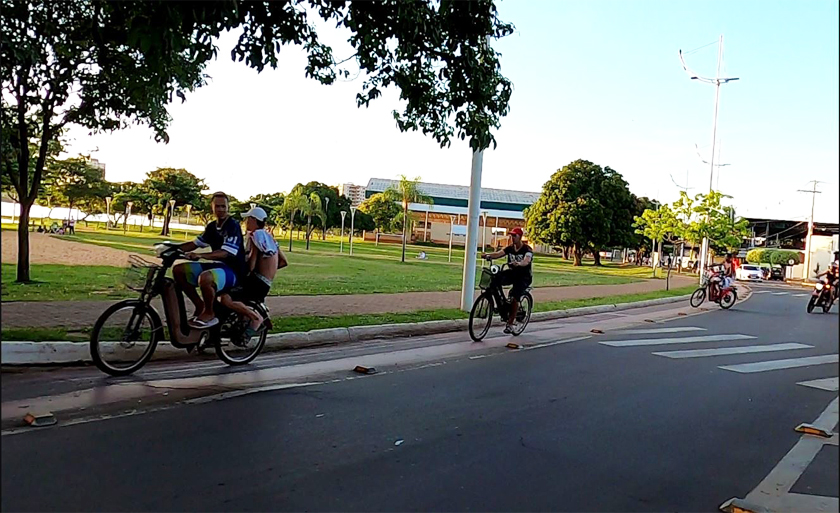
(257, 213)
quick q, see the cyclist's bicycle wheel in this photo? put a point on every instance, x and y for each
(523, 315)
(728, 299)
(124, 337)
(481, 317)
(697, 297)
(234, 347)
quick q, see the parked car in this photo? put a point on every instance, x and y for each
(777, 272)
(749, 272)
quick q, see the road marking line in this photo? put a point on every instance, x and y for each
(801, 295)
(790, 363)
(780, 293)
(830, 384)
(661, 330)
(700, 353)
(773, 492)
(761, 291)
(680, 340)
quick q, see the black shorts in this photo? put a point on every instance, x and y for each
(251, 289)
(519, 282)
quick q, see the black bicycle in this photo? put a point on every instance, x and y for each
(126, 334)
(493, 300)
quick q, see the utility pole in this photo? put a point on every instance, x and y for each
(717, 81)
(813, 192)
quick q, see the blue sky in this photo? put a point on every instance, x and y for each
(598, 80)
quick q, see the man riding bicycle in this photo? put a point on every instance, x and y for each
(518, 274)
(224, 238)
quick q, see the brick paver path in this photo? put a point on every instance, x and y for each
(82, 314)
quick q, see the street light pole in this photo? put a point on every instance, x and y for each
(341, 241)
(326, 215)
(352, 226)
(128, 205)
(451, 223)
(171, 215)
(717, 81)
(188, 207)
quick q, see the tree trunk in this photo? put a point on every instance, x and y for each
(165, 229)
(308, 231)
(596, 255)
(668, 276)
(578, 254)
(23, 244)
(291, 229)
(405, 223)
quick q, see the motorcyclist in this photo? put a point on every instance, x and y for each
(833, 273)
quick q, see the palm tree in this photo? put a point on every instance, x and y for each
(407, 191)
(294, 203)
(312, 206)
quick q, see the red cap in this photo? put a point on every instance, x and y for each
(516, 231)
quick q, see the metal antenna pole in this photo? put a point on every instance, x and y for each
(813, 192)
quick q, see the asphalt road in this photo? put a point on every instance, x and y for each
(601, 424)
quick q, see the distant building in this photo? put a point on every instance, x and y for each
(98, 165)
(501, 211)
(355, 193)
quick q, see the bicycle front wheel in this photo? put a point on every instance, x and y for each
(697, 297)
(124, 337)
(523, 314)
(481, 317)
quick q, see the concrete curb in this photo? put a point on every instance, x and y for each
(53, 353)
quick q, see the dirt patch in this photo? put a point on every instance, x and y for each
(52, 249)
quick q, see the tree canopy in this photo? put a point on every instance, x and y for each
(105, 64)
(584, 206)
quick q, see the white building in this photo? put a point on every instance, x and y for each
(355, 193)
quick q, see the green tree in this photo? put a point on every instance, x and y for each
(142, 201)
(75, 183)
(579, 207)
(406, 192)
(330, 203)
(383, 209)
(312, 206)
(295, 204)
(105, 64)
(167, 184)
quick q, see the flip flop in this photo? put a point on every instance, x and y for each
(251, 332)
(198, 323)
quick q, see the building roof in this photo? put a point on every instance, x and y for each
(460, 192)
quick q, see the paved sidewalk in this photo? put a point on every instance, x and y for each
(83, 314)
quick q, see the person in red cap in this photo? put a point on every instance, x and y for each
(518, 274)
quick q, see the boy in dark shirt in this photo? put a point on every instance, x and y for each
(224, 238)
(518, 274)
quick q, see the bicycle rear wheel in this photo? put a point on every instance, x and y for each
(728, 299)
(523, 315)
(481, 317)
(124, 337)
(233, 347)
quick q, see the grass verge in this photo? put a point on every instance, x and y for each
(307, 323)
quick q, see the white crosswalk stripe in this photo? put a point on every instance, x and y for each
(677, 340)
(830, 384)
(800, 295)
(651, 331)
(701, 353)
(780, 293)
(761, 291)
(781, 364)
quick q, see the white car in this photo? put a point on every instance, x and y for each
(749, 273)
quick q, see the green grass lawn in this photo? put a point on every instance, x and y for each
(321, 270)
(307, 323)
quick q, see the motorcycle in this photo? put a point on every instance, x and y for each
(822, 295)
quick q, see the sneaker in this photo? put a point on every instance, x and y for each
(508, 329)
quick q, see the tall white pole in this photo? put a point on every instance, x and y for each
(341, 244)
(806, 275)
(352, 220)
(473, 205)
(451, 223)
(704, 247)
(426, 224)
